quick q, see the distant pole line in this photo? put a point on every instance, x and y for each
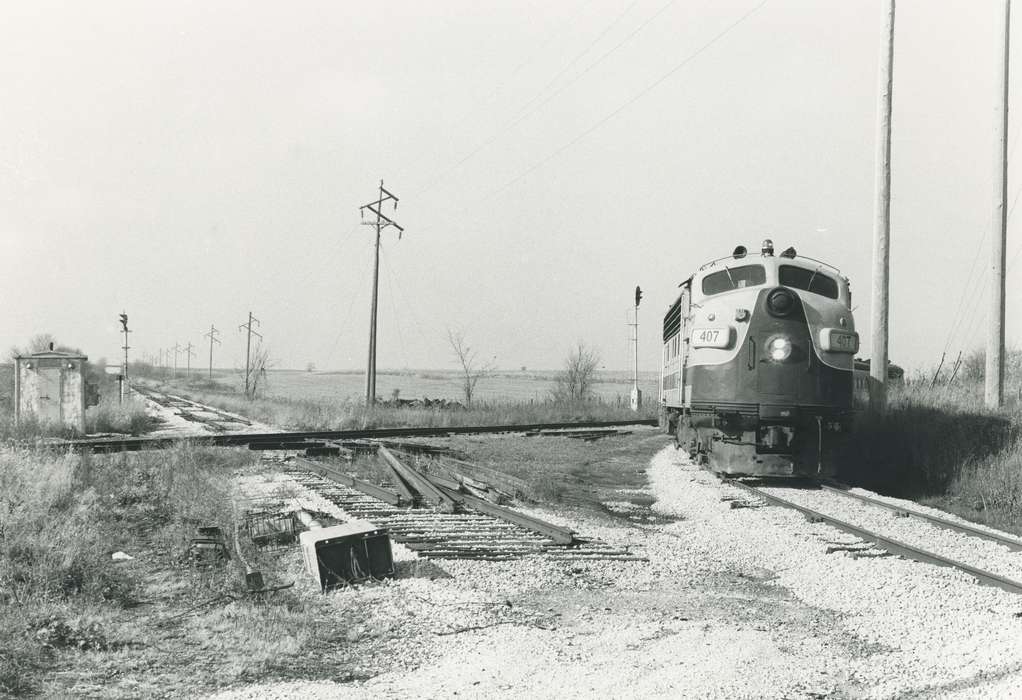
(248, 346)
(994, 389)
(176, 349)
(381, 222)
(189, 354)
(212, 335)
(882, 220)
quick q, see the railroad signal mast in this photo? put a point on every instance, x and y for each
(212, 335)
(381, 222)
(636, 397)
(124, 372)
(248, 347)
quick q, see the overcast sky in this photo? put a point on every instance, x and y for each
(190, 161)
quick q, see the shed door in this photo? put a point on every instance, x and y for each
(49, 394)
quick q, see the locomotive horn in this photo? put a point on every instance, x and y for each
(768, 247)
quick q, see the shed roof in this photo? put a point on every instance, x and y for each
(52, 354)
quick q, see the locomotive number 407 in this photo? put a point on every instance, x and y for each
(711, 337)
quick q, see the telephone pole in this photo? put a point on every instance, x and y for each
(189, 354)
(176, 349)
(212, 335)
(995, 337)
(636, 398)
(248, 345)
(882, 220)
(380, 223)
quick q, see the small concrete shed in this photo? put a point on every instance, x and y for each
(50, 386)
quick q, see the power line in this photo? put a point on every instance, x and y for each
(527, 112)
(530, 57)
(635, 98)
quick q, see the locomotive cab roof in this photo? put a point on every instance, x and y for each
(742, 270)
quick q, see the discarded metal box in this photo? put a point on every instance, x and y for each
(209, 547)
(348, 553)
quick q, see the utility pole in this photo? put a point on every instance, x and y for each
(248, 345)
(995, 336)
(882, 220)
(380, 223)
(636, 398)
(212, 335)
(176, 349)
(189, 354)
(124, 373)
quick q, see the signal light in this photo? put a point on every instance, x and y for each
(780, 302)
(638, 295)
(124, 321)
(740, 252)
(789, 252)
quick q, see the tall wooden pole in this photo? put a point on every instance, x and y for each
(882, 220)
(371, 364)
(381, 222)
(995, 335)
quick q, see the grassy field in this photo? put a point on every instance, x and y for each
(498, 387)
(311, 405)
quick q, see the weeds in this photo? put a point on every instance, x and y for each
(113, 416)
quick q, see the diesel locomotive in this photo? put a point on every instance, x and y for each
(757, 373)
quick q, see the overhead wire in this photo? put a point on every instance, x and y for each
(530, 57)
(526, 110)
(393, 307)
(632, 100)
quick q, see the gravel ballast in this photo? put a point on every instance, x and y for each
(733, 602)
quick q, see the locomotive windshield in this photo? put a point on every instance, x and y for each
(810, 280)
(733, 278)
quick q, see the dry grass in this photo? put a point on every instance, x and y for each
(113, 416)
(940, 444)
(78, 623)
(315, 414)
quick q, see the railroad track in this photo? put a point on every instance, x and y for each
(777, 496)
(300, 440)
(207, 416)
(462, 534)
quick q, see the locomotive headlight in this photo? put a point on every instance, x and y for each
(779, 348)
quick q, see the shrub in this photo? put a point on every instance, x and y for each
(111, 415)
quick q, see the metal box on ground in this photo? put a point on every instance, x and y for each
(348, 553)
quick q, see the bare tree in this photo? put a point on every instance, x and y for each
(575, 381)
(471, 369)
(257, 378)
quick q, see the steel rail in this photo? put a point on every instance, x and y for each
(269, 440)
(378, 492)
(891, 545)
(560, 535)
(1008, 541)
(417, 481)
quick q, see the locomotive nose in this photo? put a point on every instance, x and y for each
(780, 302)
